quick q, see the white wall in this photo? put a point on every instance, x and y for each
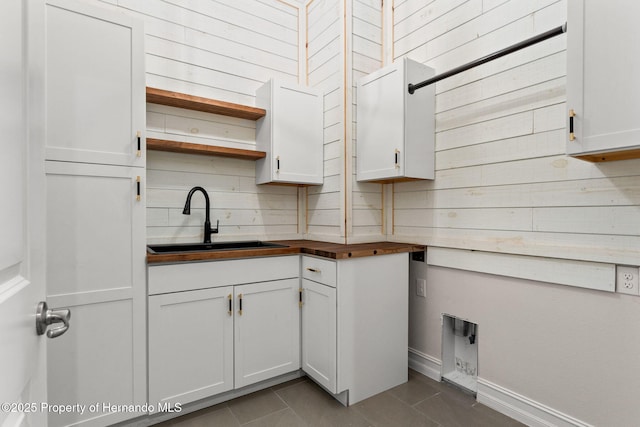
(367, 56)
(221, 49)
(504, 186)
(566, 350)
(503, 182)
(325, 65)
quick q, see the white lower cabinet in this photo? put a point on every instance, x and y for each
(355, 324)
(190, 345)
(319, 333)
(223, 325)
(267, 331)
(214, 339)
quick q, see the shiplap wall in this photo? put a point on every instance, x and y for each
(220, 49)
(325, 68)
(503, 183)
(367, 57)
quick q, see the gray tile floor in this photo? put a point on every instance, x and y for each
(419, 402)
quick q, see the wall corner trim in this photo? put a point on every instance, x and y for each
(522, 408)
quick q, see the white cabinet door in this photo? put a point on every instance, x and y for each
(319, 333)
(291, 134)
(95, 248)
(95, 88)
(190, 345)
(380, 141)
(267, 330)
(395, 130)
(602, 79)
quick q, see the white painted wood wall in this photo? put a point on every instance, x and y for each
(367, 56)
(222, 49)
(325, 64)
(503, 183)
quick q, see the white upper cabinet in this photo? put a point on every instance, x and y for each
(602, 80)
(95, 96)
(395, 130)
(291, 134)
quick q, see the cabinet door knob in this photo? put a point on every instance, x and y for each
(230, 297)
(138, 188)
(397, 160)
(313, 270)
(300, 303)
(240, 304)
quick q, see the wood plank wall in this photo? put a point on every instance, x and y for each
(503, 183)
(367, 57)
(221, 49)
(325, 68)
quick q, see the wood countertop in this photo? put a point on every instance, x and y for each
(310, 247)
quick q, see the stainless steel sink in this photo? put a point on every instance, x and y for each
(208, 247)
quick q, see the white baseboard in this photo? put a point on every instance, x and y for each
(427, 365)
(522, 408)
(507, 402)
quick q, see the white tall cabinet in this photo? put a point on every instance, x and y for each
(602, 80)
(95, 237)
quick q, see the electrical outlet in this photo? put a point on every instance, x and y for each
(627, 280)
(421, 287)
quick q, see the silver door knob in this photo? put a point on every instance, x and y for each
(46, 317)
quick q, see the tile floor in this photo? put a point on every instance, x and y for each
(419, 402)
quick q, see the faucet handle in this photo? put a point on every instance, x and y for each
(215, 230)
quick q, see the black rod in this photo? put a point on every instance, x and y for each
(513, 48)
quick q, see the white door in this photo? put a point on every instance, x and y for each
(319, 333)
(380, 133)
(22, 351)
(95, 85)
(266, 330)
(601, 75)
(297, 134)
(190, 345)
(95, 266)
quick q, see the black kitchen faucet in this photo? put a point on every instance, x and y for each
(207, 223)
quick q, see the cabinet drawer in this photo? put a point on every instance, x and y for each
(319, 270)
(202, 275)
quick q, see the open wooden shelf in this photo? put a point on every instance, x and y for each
(191, 102)
(211, 150)
(610, 156)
